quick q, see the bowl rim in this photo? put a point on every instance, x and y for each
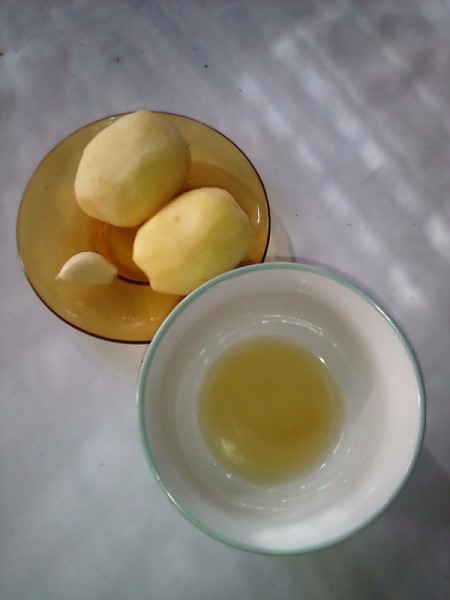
(55, 147)
(340, 279)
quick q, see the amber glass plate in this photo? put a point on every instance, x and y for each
(51, 228)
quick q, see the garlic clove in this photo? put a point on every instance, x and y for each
(87, 268)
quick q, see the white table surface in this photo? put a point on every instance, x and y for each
(344, 109)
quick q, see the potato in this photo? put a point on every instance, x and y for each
(131, 169)
(200, 234)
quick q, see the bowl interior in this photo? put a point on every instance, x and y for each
(372, 365)
(51, 228)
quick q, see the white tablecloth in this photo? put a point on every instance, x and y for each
(343, 107)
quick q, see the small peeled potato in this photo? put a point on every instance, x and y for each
(131, 169)
(199, 235)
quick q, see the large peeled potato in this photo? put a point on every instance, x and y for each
(131, 169)
(200, 234)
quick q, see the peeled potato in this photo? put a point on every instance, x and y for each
(200, 234)
(131, 169)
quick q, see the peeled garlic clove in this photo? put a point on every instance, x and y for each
(87, 268)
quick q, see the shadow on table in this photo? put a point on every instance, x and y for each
(404, 554)
(121, 360)
(280, 246)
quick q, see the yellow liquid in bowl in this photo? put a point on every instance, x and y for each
(269, 410)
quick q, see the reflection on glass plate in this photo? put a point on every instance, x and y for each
(51, 228)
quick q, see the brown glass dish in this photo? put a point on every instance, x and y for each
(51, 228)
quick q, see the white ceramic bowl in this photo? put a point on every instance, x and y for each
(372, 363)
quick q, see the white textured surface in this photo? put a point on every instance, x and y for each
(344, 109)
